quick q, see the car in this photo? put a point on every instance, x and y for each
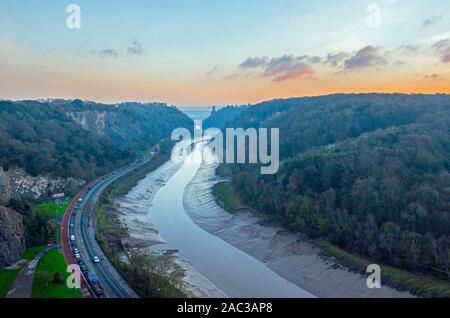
(71, 225)
(72, 238)
(76, 251)
(83, 268)
(77, 256)
(98, 290)
(80, 200)
(96, 259)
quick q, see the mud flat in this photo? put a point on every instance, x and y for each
(172, 210)
(289, 255)
(154, 214)
(134, 210)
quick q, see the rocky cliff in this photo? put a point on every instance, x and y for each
(4, 194)
(17, 184)
(130, 125)
(21, 185)
(12, 242)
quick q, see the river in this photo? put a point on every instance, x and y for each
(227, 267)
(172, 209)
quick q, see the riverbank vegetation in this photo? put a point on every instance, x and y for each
(416, 283)
(124, 185)
(154, 276)
(367, 173)
(228, 197)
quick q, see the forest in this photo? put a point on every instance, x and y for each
(48, 138)
(368, 173)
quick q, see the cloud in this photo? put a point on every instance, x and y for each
(310, 59)
(283, 68)
(136, 48)
(442, 47)
(410, 48)
(253, 62)
(432, 20)
(287, 67)
(334, 59)
(232, 76)
(432, 77)
(108, 53)
(368, 56)
(212, 71)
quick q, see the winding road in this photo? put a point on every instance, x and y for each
(79, 221)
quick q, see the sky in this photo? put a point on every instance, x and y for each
(220, 52)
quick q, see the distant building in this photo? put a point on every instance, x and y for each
(59, 197)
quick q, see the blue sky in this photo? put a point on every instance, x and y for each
(190, 50)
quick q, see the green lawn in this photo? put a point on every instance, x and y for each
(31, 252)
(7, 277)
(52, 209)
(43, 285)
(228, 197)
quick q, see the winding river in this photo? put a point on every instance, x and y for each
(173, 210)
(233, 271)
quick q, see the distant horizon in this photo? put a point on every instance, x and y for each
(215, 105)
(222, 52)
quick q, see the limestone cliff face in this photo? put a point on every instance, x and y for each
(130, 125)
(12, 242)
(112, 125)
(4, 194)
(20, 185)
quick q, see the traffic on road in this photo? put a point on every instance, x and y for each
(99, 278)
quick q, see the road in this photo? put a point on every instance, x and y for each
(23, 285)
(79, 221)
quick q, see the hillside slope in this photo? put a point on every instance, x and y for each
(369, 173)
(80, 139)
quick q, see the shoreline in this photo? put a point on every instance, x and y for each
(290, 255)
(134, 214)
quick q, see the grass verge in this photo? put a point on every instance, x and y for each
(52, 210)
(124, 185)
(45, 285)
(31, 252)
(7, 277)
